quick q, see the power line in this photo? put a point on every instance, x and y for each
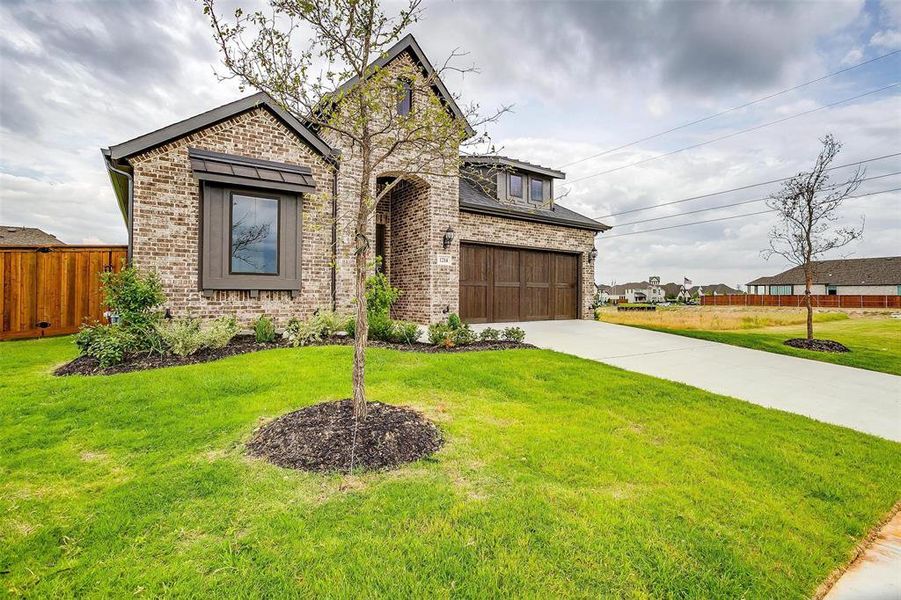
(762, 212)
(700, 210)
(734, 108)
(738, 189)
(735, 133)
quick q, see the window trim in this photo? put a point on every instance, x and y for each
(510, 177)
(278, 231)
(214, 242)
(831, 289)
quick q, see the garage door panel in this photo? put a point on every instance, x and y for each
(500, 284)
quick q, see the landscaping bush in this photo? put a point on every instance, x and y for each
(406, 332)
(220, 332)
(107, 343)
(441, 334)
(181, 337)
(322, 325)
(381, 328)
(514, 334)
(464, 335)
(134, 299)
(264, 330)
(489, 334)
(380, 295)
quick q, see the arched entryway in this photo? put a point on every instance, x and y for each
(402, 239)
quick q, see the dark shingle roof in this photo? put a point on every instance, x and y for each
(847, 271)
(26, 236)
(506, 161)
(473, 199)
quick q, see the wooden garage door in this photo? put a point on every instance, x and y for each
(500, 284)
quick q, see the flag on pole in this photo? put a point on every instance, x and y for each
(687, 281)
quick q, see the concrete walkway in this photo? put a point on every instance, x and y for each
(863, 400)
(877, 573)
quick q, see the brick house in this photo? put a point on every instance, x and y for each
(236, 209)
(879, 276)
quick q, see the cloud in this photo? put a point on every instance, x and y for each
(585, 77)
(889, 38)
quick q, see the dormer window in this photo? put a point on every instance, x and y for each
(515, 185)
(405, 103)
(536, 190)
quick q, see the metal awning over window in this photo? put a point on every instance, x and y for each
(250, 172)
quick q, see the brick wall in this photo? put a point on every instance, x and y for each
(408, 250)
(494, 230)
(167, 219)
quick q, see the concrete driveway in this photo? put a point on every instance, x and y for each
(863, 400)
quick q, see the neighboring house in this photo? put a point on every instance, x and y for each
(636, 291)
(499, 249)
(11, 235)
(849, 276)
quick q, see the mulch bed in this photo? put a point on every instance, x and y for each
(243, 344)
(817, 345)
(322, 437)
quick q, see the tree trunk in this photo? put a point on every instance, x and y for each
(361, 264)
(808, 281)
(361, 329)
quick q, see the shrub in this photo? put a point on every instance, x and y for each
(220, 332)
(350, 326)
(406, 332)
(464, 335)
(380, 295)
(134, 296)
(107, 343)
(300, 332)
(514, 334)
(182, 337)
(264, 330)
(381, 328)
(328, 322)
(489, 334)
(441, 334)
(454, 321)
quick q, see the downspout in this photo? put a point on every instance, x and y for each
(334, 237)
(129, 222)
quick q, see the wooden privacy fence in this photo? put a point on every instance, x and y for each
(52, 290)
(819, 300)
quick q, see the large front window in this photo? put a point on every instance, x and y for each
(254, 235)
(780, 290)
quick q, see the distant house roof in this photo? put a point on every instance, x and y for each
(847, 271)
(619, 290)
(475, 200)
(11, 235)
(506, 161)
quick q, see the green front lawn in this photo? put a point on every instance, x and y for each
(560, 477)
(875, 343)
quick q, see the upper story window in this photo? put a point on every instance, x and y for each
(536, 190)
(516, 185)
(405, 103)
(254, 234)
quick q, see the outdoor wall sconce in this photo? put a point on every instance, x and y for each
(593, 254)
(448, 237)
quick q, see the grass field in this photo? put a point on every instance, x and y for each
(560, 477)
(874, 338)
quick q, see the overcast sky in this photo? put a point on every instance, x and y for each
(584, 77)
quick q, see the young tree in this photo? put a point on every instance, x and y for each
(303, 53)
(807, 206)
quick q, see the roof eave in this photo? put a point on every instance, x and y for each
(486, 210)
(206, 119)
(517, 164)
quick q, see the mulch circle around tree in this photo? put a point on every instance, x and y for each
(321, 438)
(243, 344)
(817, 345)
